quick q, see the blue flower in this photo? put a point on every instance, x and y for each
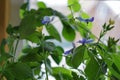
(47, 19)
(85, 20)
(69, 51)
(85, 41)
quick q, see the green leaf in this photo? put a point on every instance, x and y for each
(23, 9)
(31, 21)
(28, 26)
(61, 73)
(48, 37)
(102, 49)
(111, 43)
(8, 75)
(31, 57)
(57, 54)
(9, 29)
(115, 65)
(35, 37)
(68, 60)
(29, 49)
(53, 32)
(76, 7)
(12, 31)
(48, 46)
(91, 73)
(84, 15)
(41, 12)
(37, 71)
(68, 32)
(41, 5)
(48, 65)
(83, 29)
(82, 78)
(24, 6)
(22, 13)
(18, 71)
(76, 76)
(115, 71)
(33, 64)
(86, 55)
(74, 4)
(116, 60)
(70, 2)
(78, 55)
(5, 57)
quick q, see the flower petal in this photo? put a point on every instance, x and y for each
(46, 20)
(80, 19)
(84, 41)
(85, 20)
(91, 19)
(68, 52)
(89, 40)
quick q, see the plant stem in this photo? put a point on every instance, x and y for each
(46, 72)
(71, 12)
(15, 50)
(45, 60)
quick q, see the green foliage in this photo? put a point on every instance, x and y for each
(41, 5)
(74, 4)
(86, 61)
(23, 9)
(28, 26)
(48, 46)
(57, 54)
(89, 69)
(61, 73)
(5, 57)
(53, 32)
(68, 33)
(78, 55)
(18, 71)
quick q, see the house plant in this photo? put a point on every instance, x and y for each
(100, 61)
